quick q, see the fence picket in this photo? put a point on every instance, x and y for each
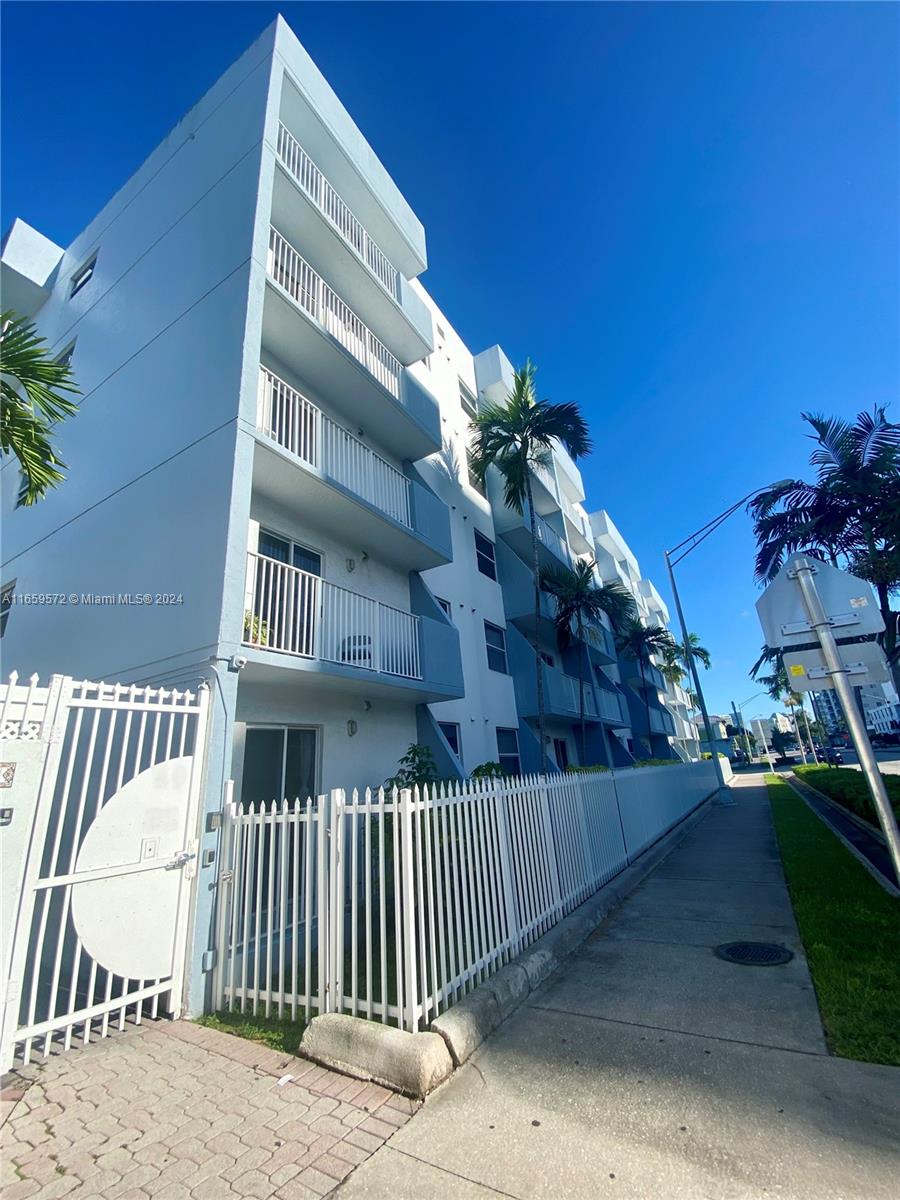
(466, 874)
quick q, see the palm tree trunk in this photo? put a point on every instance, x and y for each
(890, 634)
(646, 705)
(581, 693)
(538, 661)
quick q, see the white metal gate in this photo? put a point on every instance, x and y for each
(102, 861)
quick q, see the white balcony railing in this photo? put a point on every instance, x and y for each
(551, 539)
(571, 692)
(310, 291)
(302, 169)
(294, 612)
(610, 705)
(286, 416)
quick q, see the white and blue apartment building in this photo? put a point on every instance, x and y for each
(272, 444)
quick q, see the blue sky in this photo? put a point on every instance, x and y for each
(685, 214)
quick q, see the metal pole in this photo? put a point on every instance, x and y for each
(762, 738)
(812, 744)
(804, 572)
(746, 734)
(799, 737)
(725, 797)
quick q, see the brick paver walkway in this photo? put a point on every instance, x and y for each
(174, 1111)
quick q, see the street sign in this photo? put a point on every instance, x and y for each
(807, 671)
(849, 603)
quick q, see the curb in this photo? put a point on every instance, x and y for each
(416, 1063)
(865, 826)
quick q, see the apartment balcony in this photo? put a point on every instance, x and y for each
(611, 704)
(298, 620)
(578, 527)
(642, 675)
(516, 580)
(515, 529)
(312, 214)
(315, 333)
(561, 694)
(306, 460)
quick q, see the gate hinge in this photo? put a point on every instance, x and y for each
(226, 877)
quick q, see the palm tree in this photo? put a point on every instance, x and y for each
(580, 602)
(639, 641)
(850, 516)
(517, 438)
(30, 403)
(675, 660)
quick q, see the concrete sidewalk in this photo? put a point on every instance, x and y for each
(647, 1067)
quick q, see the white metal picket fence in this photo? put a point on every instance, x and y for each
(394, 905)
(98, 856)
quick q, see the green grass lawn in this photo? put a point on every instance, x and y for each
(850, 928)
(277, 1034)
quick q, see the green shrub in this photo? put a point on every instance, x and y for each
(416, 767)
(658, 762)
(487, 770)
(575, 770)
(849, 789)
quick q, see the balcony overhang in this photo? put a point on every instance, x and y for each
(288, 672)
(291, 483)
(28, 265)
(409, 425)
(318, 120)
(402, 322)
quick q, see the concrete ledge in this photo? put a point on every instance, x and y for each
(412, 1063)
(465, 1026)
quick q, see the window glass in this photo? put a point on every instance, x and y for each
(484, 555)
(263, 766)
(468, 399)
(451, 733)
(445, 605)
(561, 751)
(495, 641)
(473, 481)
(508, 751)
(279, 763)
(82, 276)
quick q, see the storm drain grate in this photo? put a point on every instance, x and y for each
(754, 954)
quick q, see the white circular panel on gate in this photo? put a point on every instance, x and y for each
(127, 922)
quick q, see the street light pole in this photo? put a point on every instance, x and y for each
(692, 667)
(692, 543)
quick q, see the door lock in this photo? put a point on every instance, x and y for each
(181, 859)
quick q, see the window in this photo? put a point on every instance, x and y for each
(22, 493)
(279, 763)
(451, 733)
(7, 593)
(495, 641)
(474, 481)
(508, 751)
(561, 752)
(446, 607)
(468, 399)
(545, 657)
(82, 276)
(65, 358)
(284, 550)
(484, 555)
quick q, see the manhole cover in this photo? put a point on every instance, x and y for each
(754, 954)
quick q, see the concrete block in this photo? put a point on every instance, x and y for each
(538, 964)
(413, 1063)
(465, 1026)
(510, 987)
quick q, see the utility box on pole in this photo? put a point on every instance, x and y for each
(803, 608)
